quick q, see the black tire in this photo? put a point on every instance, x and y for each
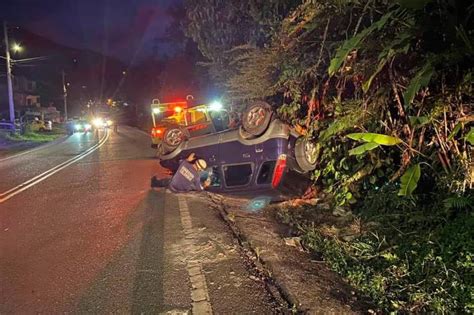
(256, 118)
(306, 154)
(173, 137)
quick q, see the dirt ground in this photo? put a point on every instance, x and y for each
(304, 281)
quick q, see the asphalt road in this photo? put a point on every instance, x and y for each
(93, 237)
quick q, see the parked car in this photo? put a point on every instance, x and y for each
(257, 155)
(40, 125)
(8, 128)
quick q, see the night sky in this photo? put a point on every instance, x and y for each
(123, 29)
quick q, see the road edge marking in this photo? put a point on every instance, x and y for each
(41, 177)
(199, 292)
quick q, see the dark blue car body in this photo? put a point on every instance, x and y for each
(241, 164)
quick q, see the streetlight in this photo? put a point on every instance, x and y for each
(17, 47)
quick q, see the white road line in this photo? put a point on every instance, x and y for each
(199, 292)
(41, 177)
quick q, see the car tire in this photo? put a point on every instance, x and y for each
(173, 137)
(256, 118)
(306, 154)
(244, 134)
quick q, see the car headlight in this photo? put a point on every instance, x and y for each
(216, 106)
(98, 122)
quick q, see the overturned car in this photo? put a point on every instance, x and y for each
(258, 154)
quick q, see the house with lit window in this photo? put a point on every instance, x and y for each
(25, 93)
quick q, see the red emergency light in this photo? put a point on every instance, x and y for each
(157, 132)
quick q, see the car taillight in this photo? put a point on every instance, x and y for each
(279, 170)
(156, 132)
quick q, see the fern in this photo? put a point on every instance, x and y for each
(459, 202)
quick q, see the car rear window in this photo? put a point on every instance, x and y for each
(237, 175)
(266, 173)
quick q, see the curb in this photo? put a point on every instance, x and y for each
(276, 289)
(36, 148)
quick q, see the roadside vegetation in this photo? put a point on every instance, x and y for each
(385, 89)
(34, 137)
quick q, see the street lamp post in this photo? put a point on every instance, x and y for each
(64, 95)
(9, 75)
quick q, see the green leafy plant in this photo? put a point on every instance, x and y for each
(374, 138)
(409, 180)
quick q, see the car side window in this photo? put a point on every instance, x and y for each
(266, 173)
(199, 117)
(237, 175)
(220, 120)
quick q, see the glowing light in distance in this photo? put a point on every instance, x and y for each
(98, 122)
(16, 47)
(215, 106)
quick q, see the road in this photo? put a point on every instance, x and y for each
(88, 235)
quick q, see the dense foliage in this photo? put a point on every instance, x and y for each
(385, 90)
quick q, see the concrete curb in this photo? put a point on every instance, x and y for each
(36, 148)
(277, 289)
(306, 285)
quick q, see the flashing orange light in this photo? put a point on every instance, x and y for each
(156, 132)
(178, 109)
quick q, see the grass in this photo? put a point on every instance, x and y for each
(36, 137)
(408, 256)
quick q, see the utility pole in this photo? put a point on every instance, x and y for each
(64, 95)
(9, 74)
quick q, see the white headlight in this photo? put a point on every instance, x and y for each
(98, 122)
(215, 106)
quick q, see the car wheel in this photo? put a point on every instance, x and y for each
(256, 118)
(245, 135)
(172, 138)
(306, 154)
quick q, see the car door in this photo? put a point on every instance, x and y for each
(205, 147)
(237, 161)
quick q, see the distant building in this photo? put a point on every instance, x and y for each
(25, 93)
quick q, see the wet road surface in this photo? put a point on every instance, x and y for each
(94, 238)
